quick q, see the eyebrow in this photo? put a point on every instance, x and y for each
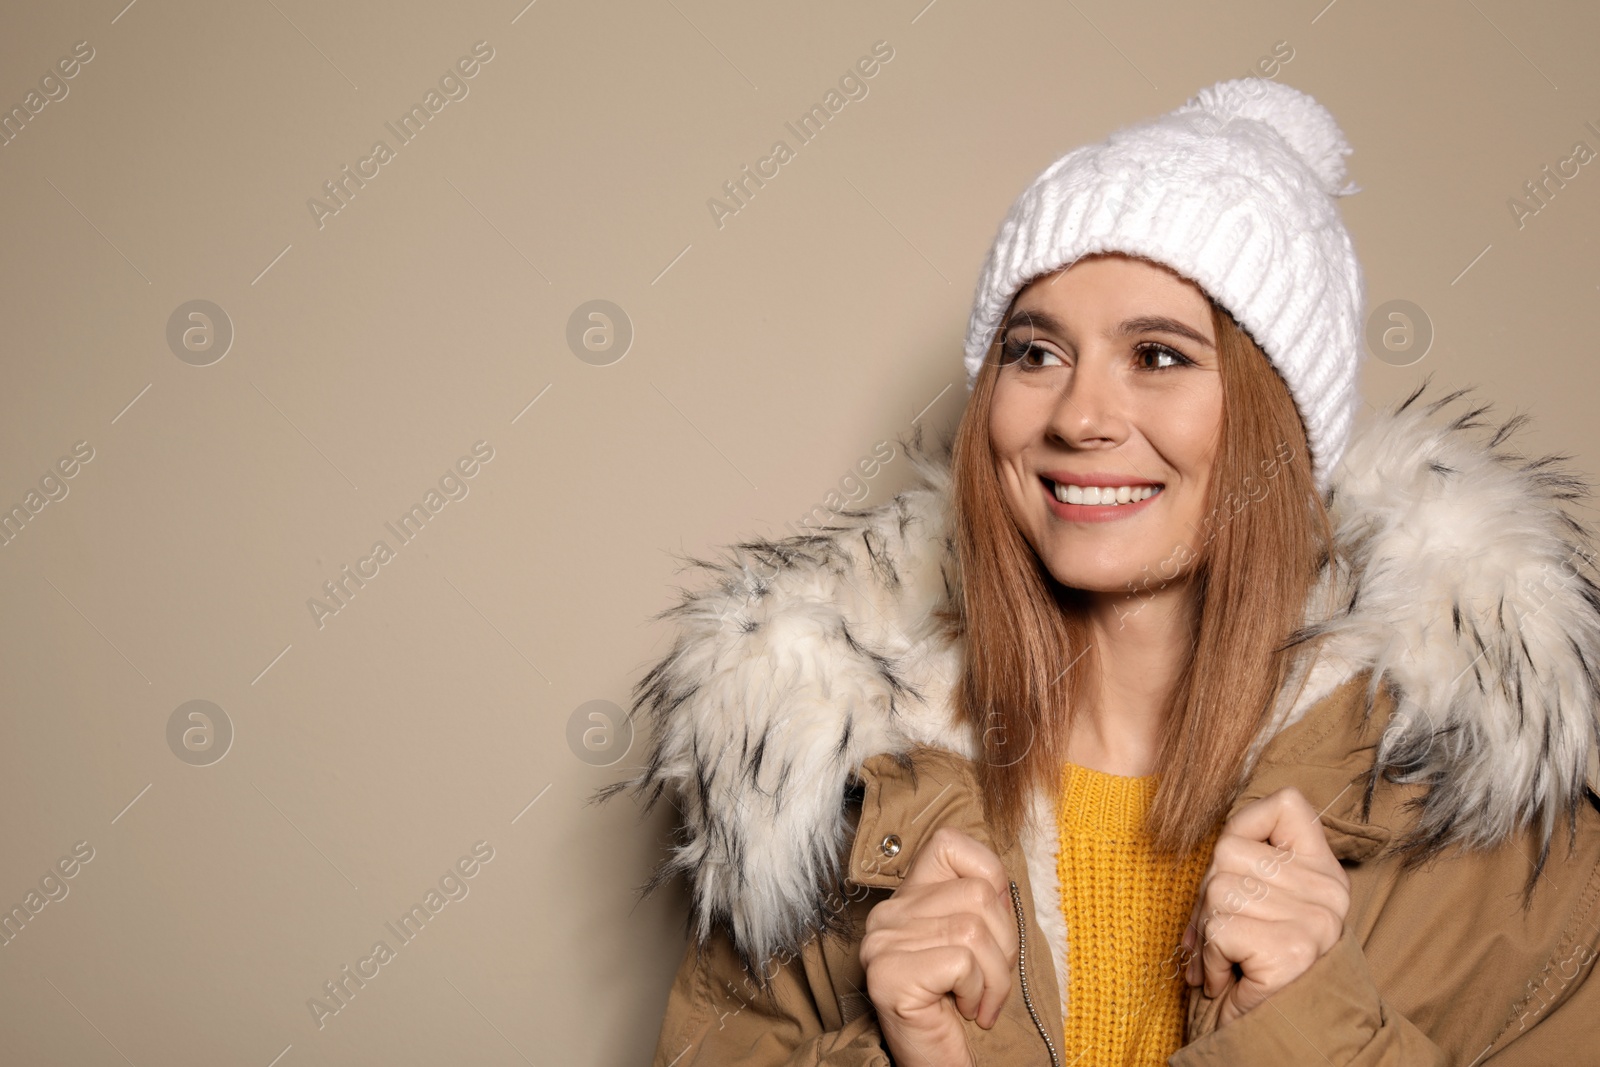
(1140, 324)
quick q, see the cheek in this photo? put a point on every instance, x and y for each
(1017, 416)
(1003, 412)
(1190, 436)
(1009, 427)
(1011, 431)
(1188, 441)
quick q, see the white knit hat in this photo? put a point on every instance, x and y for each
(1234, 190)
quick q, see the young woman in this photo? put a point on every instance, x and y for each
(1172, 717)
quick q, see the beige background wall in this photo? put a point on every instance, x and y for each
(372, 348)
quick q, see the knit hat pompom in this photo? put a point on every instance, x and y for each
(1308, 127)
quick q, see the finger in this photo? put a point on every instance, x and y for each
(920, 979)
(1242, 854)
(970, 895)
(1270, 954)
(913, 1044)
(1231, 894)
(1312, 907)
(1313, 901)
(960, 930)
(1192, 936)
(971, 982)
(1244, 850)
(933, 1037)
(1221, 940)
(1239, 992)
(996, 966)
(950, 853)
(1285, 818)
(975, 934)
(1242, 874)
(1252, 869)
(1191, 940)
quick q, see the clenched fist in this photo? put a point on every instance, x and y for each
(945, 942)
(1273, 901)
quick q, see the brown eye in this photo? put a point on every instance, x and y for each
(1025, 353)
(1160, 351)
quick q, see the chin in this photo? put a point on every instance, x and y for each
(1121, 578)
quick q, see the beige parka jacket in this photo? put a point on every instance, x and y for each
(803, 727)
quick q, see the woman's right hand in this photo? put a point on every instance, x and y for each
(945, 942)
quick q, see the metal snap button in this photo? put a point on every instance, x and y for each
(890, 845)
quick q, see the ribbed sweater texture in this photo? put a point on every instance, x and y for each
(1126, 907)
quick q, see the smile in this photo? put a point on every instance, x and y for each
(1103, 494)
(1096, 503)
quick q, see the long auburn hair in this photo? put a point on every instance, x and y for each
(1029, 662)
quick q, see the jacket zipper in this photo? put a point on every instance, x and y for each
(1022, 973)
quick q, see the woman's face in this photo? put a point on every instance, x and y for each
(1109, 390)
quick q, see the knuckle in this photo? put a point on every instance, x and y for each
(888, 995)
(900, 1005)
(977, 893)
(1228, 852)
(885, 915)
(1226, 885)
(967, 929)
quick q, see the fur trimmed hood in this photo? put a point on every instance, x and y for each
(1461, 585)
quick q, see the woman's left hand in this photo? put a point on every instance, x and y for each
(1273, 901)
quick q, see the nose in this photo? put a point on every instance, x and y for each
(1091, 412)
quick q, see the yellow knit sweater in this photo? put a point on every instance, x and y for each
(1126, 909)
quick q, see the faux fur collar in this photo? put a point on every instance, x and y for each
(1464, 589)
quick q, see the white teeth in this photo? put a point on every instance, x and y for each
(1103, 495)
